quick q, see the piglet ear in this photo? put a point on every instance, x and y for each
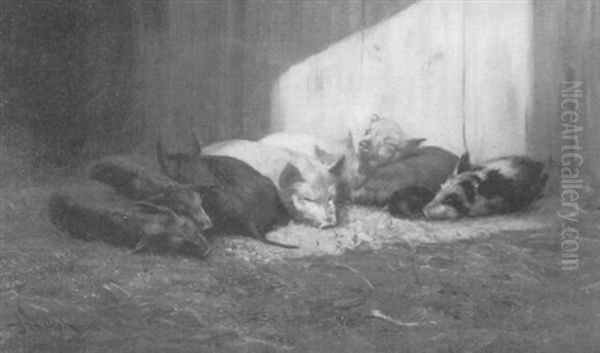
(336, 167)
(463, 164)
(324, 156)
(413, 144)
(165, 161)
(350, 140)
(289, 176)
(196, 149)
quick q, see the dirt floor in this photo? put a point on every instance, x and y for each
(374, 284)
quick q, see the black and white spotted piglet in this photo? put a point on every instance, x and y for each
(502, 185)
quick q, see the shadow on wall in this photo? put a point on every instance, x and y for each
(67, 80)
(225, 56)
(410, 68)
(86, 78)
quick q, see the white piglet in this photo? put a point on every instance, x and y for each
(306, 187)
(326, 152)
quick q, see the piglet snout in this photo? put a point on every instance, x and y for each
(330, 222)
(205, 222)
(326, 225)
(439, 212)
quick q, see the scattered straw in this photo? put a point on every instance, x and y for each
(590, 287)
(379, 315)
(196, 315)
(352, 269)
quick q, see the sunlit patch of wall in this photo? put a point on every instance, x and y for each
(410, 68)
(81, 79)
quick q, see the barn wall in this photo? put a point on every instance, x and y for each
(225, 57)
(320, 66)
(199, 83)
(566, 39)
(68, 80)
(84, 78)
(410, 68)
(242, 69)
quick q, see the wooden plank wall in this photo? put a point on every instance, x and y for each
(65, 82)
(90, 77)
(411, 67)
(566, 47)
(220, 59)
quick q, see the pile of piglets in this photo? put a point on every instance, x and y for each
(388, 170)
(181, 200)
